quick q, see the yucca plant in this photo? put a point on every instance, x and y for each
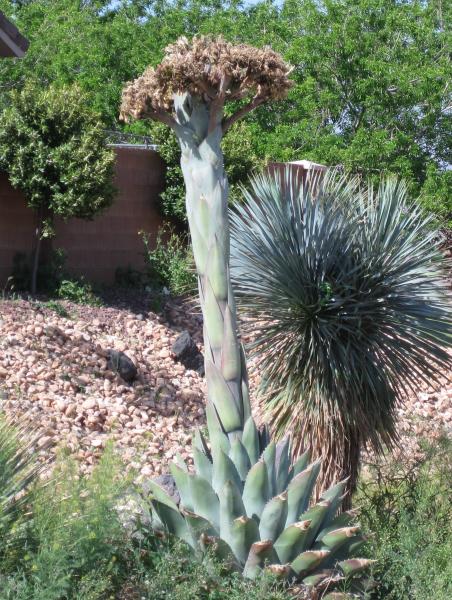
(242, 499)
(346, 307)
(18, 471)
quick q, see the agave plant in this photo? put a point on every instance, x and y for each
(343, 292)
(251, 506)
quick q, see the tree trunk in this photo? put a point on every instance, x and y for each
(37, 254)
(228, 404)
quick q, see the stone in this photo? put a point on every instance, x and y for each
(121, 364)
(186, 352)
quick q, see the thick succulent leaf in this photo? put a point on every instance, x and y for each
(198, 525)
(205, 501)
(230, 350)
(199, 442)
(269, 456)
(173, 521)
(282, 464)
(337, 596)
(220, 549)
(259, 553)
(213, 317)
(231, 507)
(223, 470)
(301, 463)
(256, 490)
(299, 492)
(223, 400)
(250, 440)
(316, 514)
(181, 462)
(343, 520)
(349, 548)
(334, 539)
(291, 542)
(243, 533)
(203, 465)
(279, 571)
(217, 437)
(159, 494)
(273, 518)
(216, 271)
(317, 578)
(334, 495)
(182, 479)
(240, 458)
(308, 561)
(244, 387)
(355, 565)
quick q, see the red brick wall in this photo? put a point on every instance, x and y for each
(94, 248)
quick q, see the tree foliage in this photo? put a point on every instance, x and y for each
(53, 148)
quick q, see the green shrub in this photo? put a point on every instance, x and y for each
(170, 263)
(79, 291)
(409, 508)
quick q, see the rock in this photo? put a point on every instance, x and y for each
(186, 352)
(169, 485)
(121, 364)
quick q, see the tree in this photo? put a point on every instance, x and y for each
(53, 148)
(244, 500)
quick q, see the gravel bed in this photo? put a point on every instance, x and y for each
(54, 373)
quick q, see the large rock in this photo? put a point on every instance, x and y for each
(187, 353)
(121, 364)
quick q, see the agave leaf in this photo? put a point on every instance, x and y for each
(240, 458)
(281, 572)
(181, 462)
(269, 456)
(205, 501)
(337, 537)
(217, 437)
(230, 351)
(159, 494)
(203, 466)
(299, 492)
(231, 507)
(318, 578)
(291, 542)
(343, 520)
(221, 397)
(182, 479)
(301, 463)
(256, 490)
(220, 549)
(308, 561)
(200, 443)
(259, 553)
(216, 271)
(316, 514)
(223, 469)
(282, 465)
(273, 517)
(243, 533)
(250, 440)
(334, 495)
(353, 566)
(173, 521)
(198, 525)
(244, 387)
(213, 317)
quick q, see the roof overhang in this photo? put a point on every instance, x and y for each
(12, 42)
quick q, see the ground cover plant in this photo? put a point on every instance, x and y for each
(348, 284)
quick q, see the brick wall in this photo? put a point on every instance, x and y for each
(94, 248)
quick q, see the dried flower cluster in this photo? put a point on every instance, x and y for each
(212, 69)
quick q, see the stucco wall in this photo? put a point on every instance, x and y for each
(94, 248)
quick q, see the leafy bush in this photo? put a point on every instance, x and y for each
(170, 263)
(409, 508)
(79, 291)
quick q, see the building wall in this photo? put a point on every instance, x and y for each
(95, 249)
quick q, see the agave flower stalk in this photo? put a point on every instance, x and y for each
(188, 92)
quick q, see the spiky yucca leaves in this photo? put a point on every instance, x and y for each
(251, 506)
(18, 470)
(344, 299)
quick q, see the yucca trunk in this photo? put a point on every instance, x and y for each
(207, 210)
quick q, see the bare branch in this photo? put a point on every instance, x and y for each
(252, 104)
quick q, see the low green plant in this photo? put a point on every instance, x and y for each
(170, 263)
(79, 291)
(409, 508)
